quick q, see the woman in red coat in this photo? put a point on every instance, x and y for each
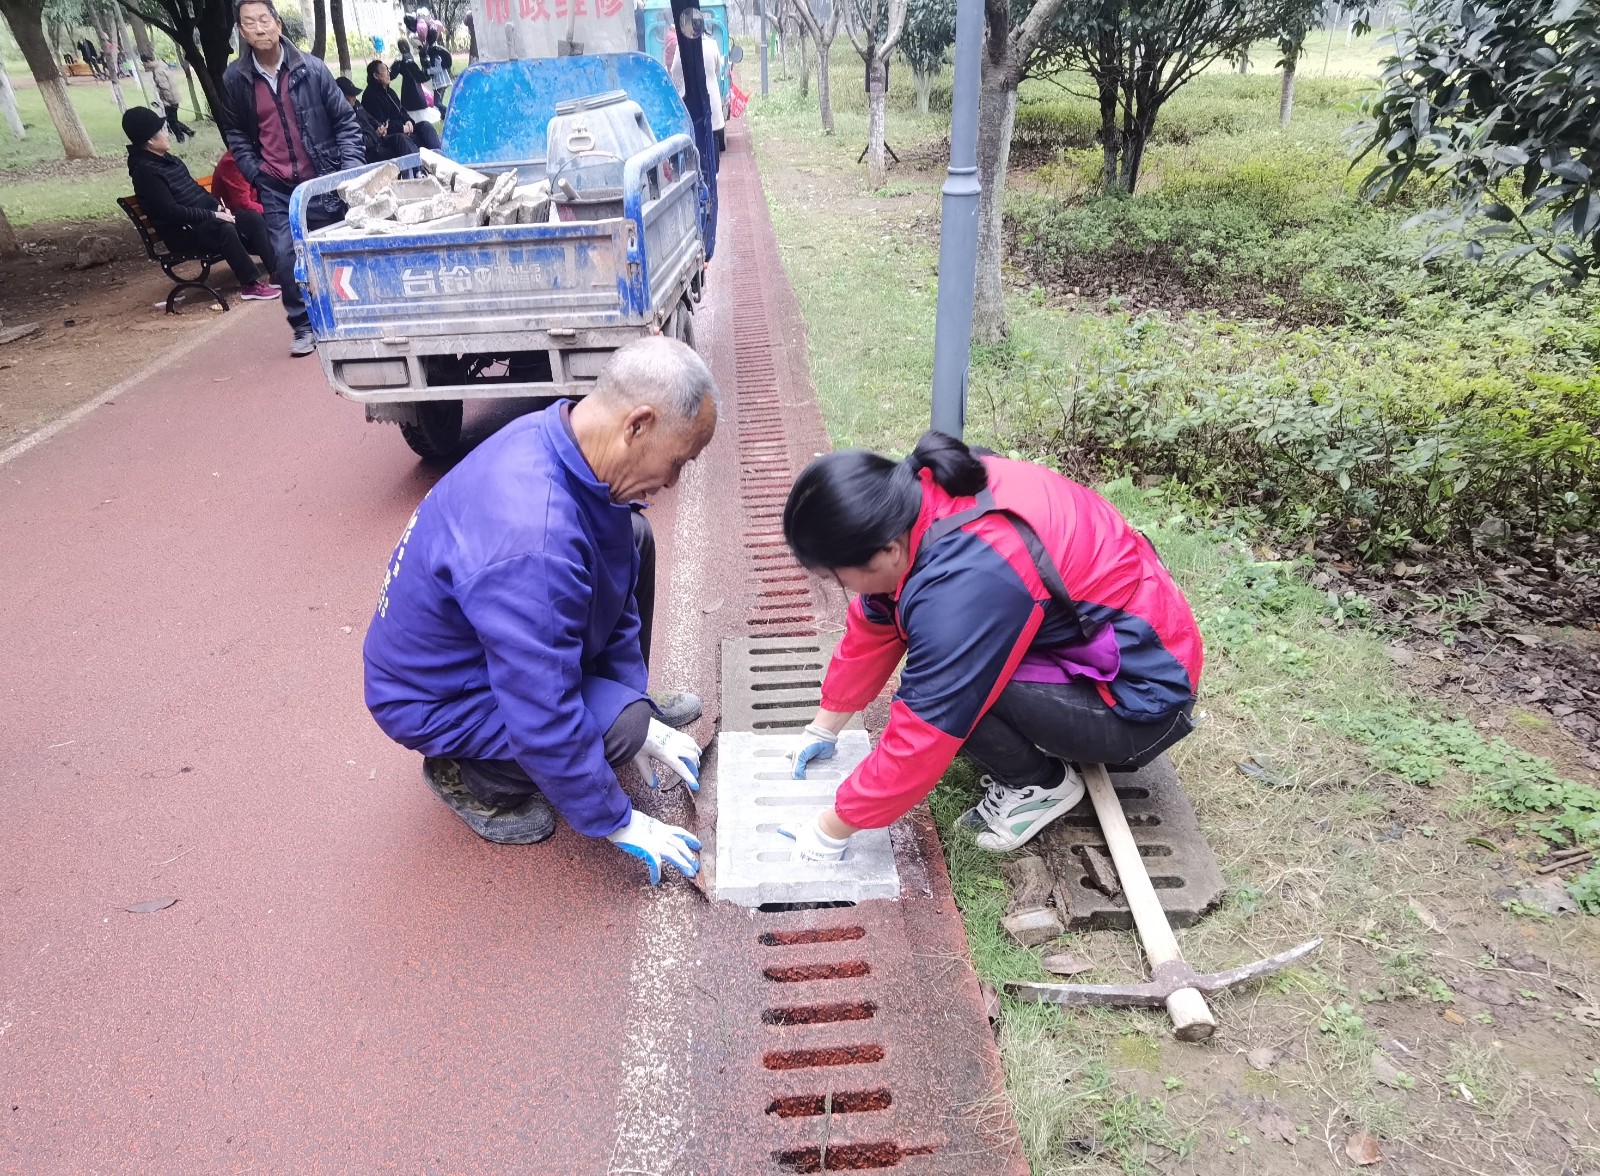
(238, 197)
(1038, 629)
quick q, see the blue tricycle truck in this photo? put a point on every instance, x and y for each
(412, 322)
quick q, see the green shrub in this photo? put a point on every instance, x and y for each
(1371, 437)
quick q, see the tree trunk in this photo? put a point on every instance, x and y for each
(923, 84)
(147, 89)
(997, 114)
(1110, 137)
(1135, 138)
(8, 105)
(336, 18)
(188, 76)
(105, 29)
(1286, 96)
(28, 29)
(319, 29)
(9, 245)
(877, 94)
(805, 64)
(141, 36)
(1244, 63)
(824, 95)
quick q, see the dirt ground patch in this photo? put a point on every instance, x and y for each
(97, 325)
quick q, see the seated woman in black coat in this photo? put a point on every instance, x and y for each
(379, 141)
(380, 102)
(190, 219)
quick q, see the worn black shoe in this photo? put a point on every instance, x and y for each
(528, 824)
(304, 343)
(678, 708)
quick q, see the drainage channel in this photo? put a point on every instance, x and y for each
(836, 1029)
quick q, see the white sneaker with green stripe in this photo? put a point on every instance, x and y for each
(1009, 817)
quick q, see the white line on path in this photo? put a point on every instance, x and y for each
(655, 1108)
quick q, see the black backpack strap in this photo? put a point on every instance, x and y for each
(1049, 573)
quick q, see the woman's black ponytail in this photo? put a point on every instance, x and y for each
(845, 507)
(958, 472)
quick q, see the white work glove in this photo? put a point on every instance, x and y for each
(675, 749)
(816, 743)
(811, 844)
(654, 842)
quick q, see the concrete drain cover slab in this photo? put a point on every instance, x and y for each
(1182, 867)
(756, 793)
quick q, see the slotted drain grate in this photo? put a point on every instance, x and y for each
(1181, 864)
(835, 1037)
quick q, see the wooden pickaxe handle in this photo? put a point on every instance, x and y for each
(1191, 1016)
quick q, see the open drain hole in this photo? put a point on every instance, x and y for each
(845, 1102)
(787, 668)
(810, 704)
(1087, 820)
(808, 1059)
(801, 973)
(847, 1157)
(781, 724)
(821, 1014)
(811, 934)
(1159, 881)
(781, 908)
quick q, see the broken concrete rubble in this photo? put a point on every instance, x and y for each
(445, 195)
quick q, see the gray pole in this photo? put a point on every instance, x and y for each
(958, 230)
(763, 48)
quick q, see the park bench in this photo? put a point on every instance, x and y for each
(79, 69)
(170, 259)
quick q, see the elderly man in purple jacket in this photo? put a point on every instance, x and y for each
(506, 646)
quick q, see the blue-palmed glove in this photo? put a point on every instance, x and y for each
(816, 743)
(654, 842)
(675, 749)
(811, 844)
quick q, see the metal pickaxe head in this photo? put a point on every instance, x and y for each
(1165, 979)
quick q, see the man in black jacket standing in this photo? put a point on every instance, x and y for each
(287, 123)
(187, 216)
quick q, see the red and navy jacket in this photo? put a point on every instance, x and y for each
(1036, 562)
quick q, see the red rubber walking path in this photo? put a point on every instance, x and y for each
(349, 980)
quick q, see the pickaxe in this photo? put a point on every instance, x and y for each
(1172, 981)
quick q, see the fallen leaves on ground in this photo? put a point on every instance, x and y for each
(1362, 1150)
(150, 906)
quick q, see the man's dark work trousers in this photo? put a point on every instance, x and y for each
(1032, 721)
(177, 126)
(275, 208)
(252, 227)
(217, 236)
(503, 782)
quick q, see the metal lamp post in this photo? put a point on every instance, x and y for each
(958, 230)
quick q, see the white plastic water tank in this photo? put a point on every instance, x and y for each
(589, 139)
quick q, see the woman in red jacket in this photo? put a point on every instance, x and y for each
(1038, 629)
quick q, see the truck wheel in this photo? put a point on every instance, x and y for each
(436, 435)
(681, 325)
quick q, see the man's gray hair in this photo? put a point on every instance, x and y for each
(661, 372)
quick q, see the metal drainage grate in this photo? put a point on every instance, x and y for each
(1181, 863)
(827, 1053)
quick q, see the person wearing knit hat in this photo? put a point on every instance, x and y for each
(380, 140)
(190, 219)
